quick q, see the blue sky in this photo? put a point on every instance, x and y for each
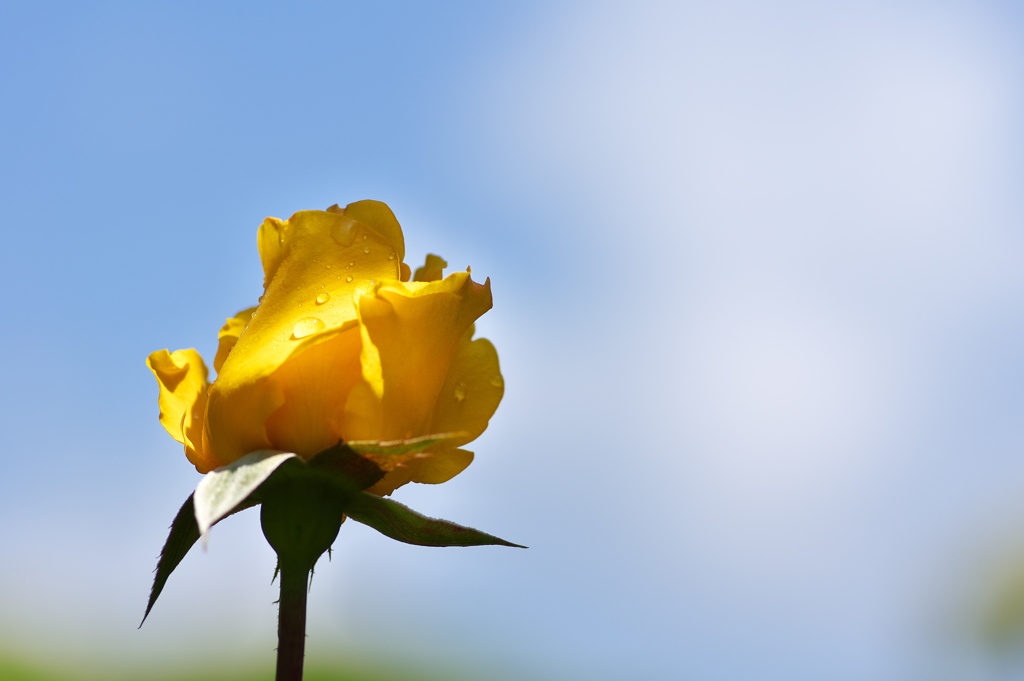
(758, 301)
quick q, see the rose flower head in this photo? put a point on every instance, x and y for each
(341, 347)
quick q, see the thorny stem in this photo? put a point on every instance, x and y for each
(291, 623)
(300, 517)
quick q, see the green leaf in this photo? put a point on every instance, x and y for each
(394, 520)
(223, 489)
(184, 534)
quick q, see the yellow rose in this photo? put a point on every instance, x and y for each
(342, 346)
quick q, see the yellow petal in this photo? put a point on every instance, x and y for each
(270, 239)
(315, 263)
(315, 384)
(182, 377)
(438, 468)
(470, 395)
(441, 467)
(472, 390)
(379, 217)
(432, 270)
(410, 334)
(229, 334)
(236, 419)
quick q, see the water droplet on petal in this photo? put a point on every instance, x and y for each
(366, 249)
(307, 326)
(351, 262)
(328, 265)
(348, 278)
(460, 391)
(497, 381)
(343, 231)
(365, 237)
(323, 298)
(391, 256)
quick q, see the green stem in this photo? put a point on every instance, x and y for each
(291, 623)
(300, 515)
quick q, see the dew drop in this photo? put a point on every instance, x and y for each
(348, 278)
(366, 249)
(307, 326)
(460, 391)
(323, 298)
(497, 381)
(344, 231)
(351, 262)
(365, 237)
(391, 256)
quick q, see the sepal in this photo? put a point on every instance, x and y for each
(403, 524)
(221, 490)
(184, 533)
(182, 537)
(338, 474)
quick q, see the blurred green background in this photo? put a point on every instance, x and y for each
(16, 671)
(758, 302)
